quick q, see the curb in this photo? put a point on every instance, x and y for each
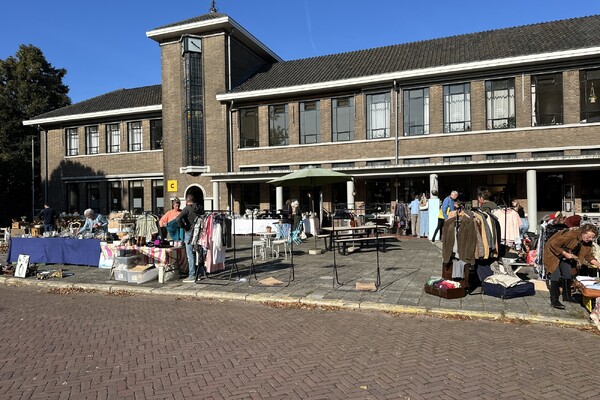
(308, 301)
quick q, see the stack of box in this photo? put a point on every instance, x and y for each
(123, 264)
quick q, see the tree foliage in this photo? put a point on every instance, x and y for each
(29, 86)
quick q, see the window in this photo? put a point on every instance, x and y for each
(193, 109)
(590, 152)
(507, 156)
(92, 140)
(249, 169)
(93, 196)
(457, 108)
(158, 196)
(500, 104)
(416, 112)
(310, 166)
(457, 159)
(416, 161)
(343, 165)
(113, 138)
(114, 196)
(136, 196)
(546, 100)
(378, 163)
(278, 125)
(548, 154)
(72, 141)
(589, 102)
(342, 114)
(279, 168)
(310, 122)
(72, 197)
(134, 133)
(249, 127)
(378, 115)
(156, 134)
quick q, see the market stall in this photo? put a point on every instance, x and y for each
(56, 250)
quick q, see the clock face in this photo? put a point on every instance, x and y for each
(193, 45)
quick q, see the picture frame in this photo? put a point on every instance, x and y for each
(22, 266)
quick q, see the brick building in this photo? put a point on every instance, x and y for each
(512, 109)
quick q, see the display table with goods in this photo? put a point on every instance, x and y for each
(159, 256)
(56, 250)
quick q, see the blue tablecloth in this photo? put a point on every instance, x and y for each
(56, 250)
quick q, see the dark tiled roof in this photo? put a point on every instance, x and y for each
(116, 100)
(539, 38)
(200, 18)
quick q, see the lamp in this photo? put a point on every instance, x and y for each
(592, 96)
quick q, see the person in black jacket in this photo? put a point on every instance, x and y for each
(186, 220)
(48, 216)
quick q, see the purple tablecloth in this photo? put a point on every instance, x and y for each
(56, 250)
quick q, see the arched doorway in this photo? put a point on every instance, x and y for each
(197, 192)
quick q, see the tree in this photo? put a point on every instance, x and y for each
(29, 86)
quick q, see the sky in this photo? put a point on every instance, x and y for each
(103, 44)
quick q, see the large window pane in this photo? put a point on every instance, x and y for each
(93, 196)
(278, 125)
(136, 197)
(500, 104)
(416, 112)
(457, 108)
(310, 122)
(194, 109)
(249, 127)
(158, 196)
(343, 119)
(378, 115)
(72, 141)
(113, 138)
(546, 100)
(156, 134)
(134, 134)
(92, 140)
(115, 196)
(589, 101)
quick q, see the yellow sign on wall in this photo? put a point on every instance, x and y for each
(172, 186)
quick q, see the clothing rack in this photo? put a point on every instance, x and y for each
(201, 274)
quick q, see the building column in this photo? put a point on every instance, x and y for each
(216, 196)
(433, 186)
(532, 211)
(350, 195)
(278, 198)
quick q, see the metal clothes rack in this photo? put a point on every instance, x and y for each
(201, 276)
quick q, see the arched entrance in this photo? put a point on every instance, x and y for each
(197, 192)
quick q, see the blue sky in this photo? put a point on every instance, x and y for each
(103, 44)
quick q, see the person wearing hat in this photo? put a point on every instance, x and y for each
(169, 222)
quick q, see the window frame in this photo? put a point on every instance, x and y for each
(556, 92)
(132, 186)
(132, 134)
(248, 119)
(370, 111)
(418, 112)
(450, 120)
(110, 135)
(493, 120)
(71, 142)
(589, 111)
(305, 126)
(90, 138)
(156, 134)
(284, 140)
(337, 119)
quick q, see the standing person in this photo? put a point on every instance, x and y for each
(48, 216)
(187, 219)
(169, 222)
(566, 250)
(424, 216)
(414, 215)
(297, 214)
(485, 204)
(445, 208)
(524, 223)
(93, 222)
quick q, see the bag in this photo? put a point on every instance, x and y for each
(496, 290)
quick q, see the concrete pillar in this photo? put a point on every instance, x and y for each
(532, 208)
(350, 194)
(216, 196)
(279, 198)
(433, 186)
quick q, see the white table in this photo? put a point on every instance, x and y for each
(241, 226)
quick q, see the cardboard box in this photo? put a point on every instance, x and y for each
(142, 274)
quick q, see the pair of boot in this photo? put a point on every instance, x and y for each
(566, 295)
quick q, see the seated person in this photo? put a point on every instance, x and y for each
(93, 223)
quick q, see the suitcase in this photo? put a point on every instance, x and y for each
(495, 290)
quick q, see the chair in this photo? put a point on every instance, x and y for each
(281, 239)
(259, 249)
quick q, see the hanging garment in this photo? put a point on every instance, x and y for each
(146, 226)
(462, 227)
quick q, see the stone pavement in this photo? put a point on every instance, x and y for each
(405, 267)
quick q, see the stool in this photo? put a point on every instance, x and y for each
(260, 246)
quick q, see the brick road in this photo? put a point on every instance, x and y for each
(99, 346)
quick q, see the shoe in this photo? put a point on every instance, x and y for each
(189, 280)
(432, 240)
(554, 294)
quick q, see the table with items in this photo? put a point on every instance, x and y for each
(56, 250)
(159, 256)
